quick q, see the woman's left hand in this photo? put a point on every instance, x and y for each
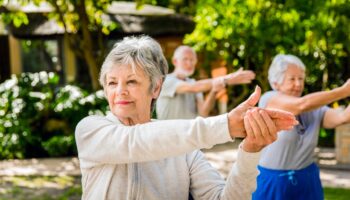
(260, 129)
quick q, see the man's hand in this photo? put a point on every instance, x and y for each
(239, 77)
(218, 84)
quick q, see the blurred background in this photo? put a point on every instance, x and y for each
(51, 52)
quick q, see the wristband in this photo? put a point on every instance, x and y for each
(224, 80)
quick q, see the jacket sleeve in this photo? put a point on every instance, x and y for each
(206, 182)
(102, 141)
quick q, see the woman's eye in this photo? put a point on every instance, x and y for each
(132, 82)
(111, 83)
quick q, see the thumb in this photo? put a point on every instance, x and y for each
(254, 98)
(240, 69)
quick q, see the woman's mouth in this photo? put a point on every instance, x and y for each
(123, 102)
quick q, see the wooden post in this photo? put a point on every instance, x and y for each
(219, 69)
(342, 144)
(70, 69)
(15, 55)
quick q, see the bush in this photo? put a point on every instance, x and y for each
(60, 145)
(38, 117)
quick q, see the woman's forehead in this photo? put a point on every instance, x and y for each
(125, 70)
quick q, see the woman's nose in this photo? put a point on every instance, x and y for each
(122, 89)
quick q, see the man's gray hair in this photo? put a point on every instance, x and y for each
(179, 51)
(279, 66)
(141, 52)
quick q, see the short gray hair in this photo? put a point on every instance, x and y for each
(142, 52)
(179, 50)
(279, 66)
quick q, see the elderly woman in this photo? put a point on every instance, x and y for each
(126, 155)
(287, 168)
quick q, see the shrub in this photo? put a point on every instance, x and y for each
(38, 117)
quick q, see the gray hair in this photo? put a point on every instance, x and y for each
(142, 52)
(179, 51)
(279, 66)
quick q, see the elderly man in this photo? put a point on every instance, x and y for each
(182, 97)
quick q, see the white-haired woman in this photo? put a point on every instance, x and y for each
(126, 155)
(287, 168)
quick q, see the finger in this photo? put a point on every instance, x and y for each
(253, 98)
(253, 74)
(255, 127)
(270, 124)
(245, 81)
(284, 124)
(248, 72)
(248, 75)
(260, 122)
(248, 128)
(281, 114)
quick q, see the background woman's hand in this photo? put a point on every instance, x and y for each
(346, 87)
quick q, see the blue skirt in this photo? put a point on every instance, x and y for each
(303, 184)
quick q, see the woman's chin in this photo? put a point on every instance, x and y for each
(121, 114)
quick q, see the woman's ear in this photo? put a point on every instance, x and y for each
(156, 91)
(105, 92)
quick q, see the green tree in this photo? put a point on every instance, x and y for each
(84, 25)
(80, 17)
(249, 33)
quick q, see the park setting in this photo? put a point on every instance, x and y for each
(56, 69)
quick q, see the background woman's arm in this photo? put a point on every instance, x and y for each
(333, 117)
(297, 105)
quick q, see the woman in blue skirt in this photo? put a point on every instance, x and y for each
(287, 168)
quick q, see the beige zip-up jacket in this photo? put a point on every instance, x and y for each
(159, 160)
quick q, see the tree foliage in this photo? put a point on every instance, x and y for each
(38, 118)
(249, 33)
(83, 23)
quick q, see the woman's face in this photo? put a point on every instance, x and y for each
(293, 82)
(128, 94)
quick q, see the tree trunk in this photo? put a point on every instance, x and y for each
(262, 72)
(87, 46)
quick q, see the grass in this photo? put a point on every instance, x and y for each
(336, 194)
(40, 188)
(69, 188)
